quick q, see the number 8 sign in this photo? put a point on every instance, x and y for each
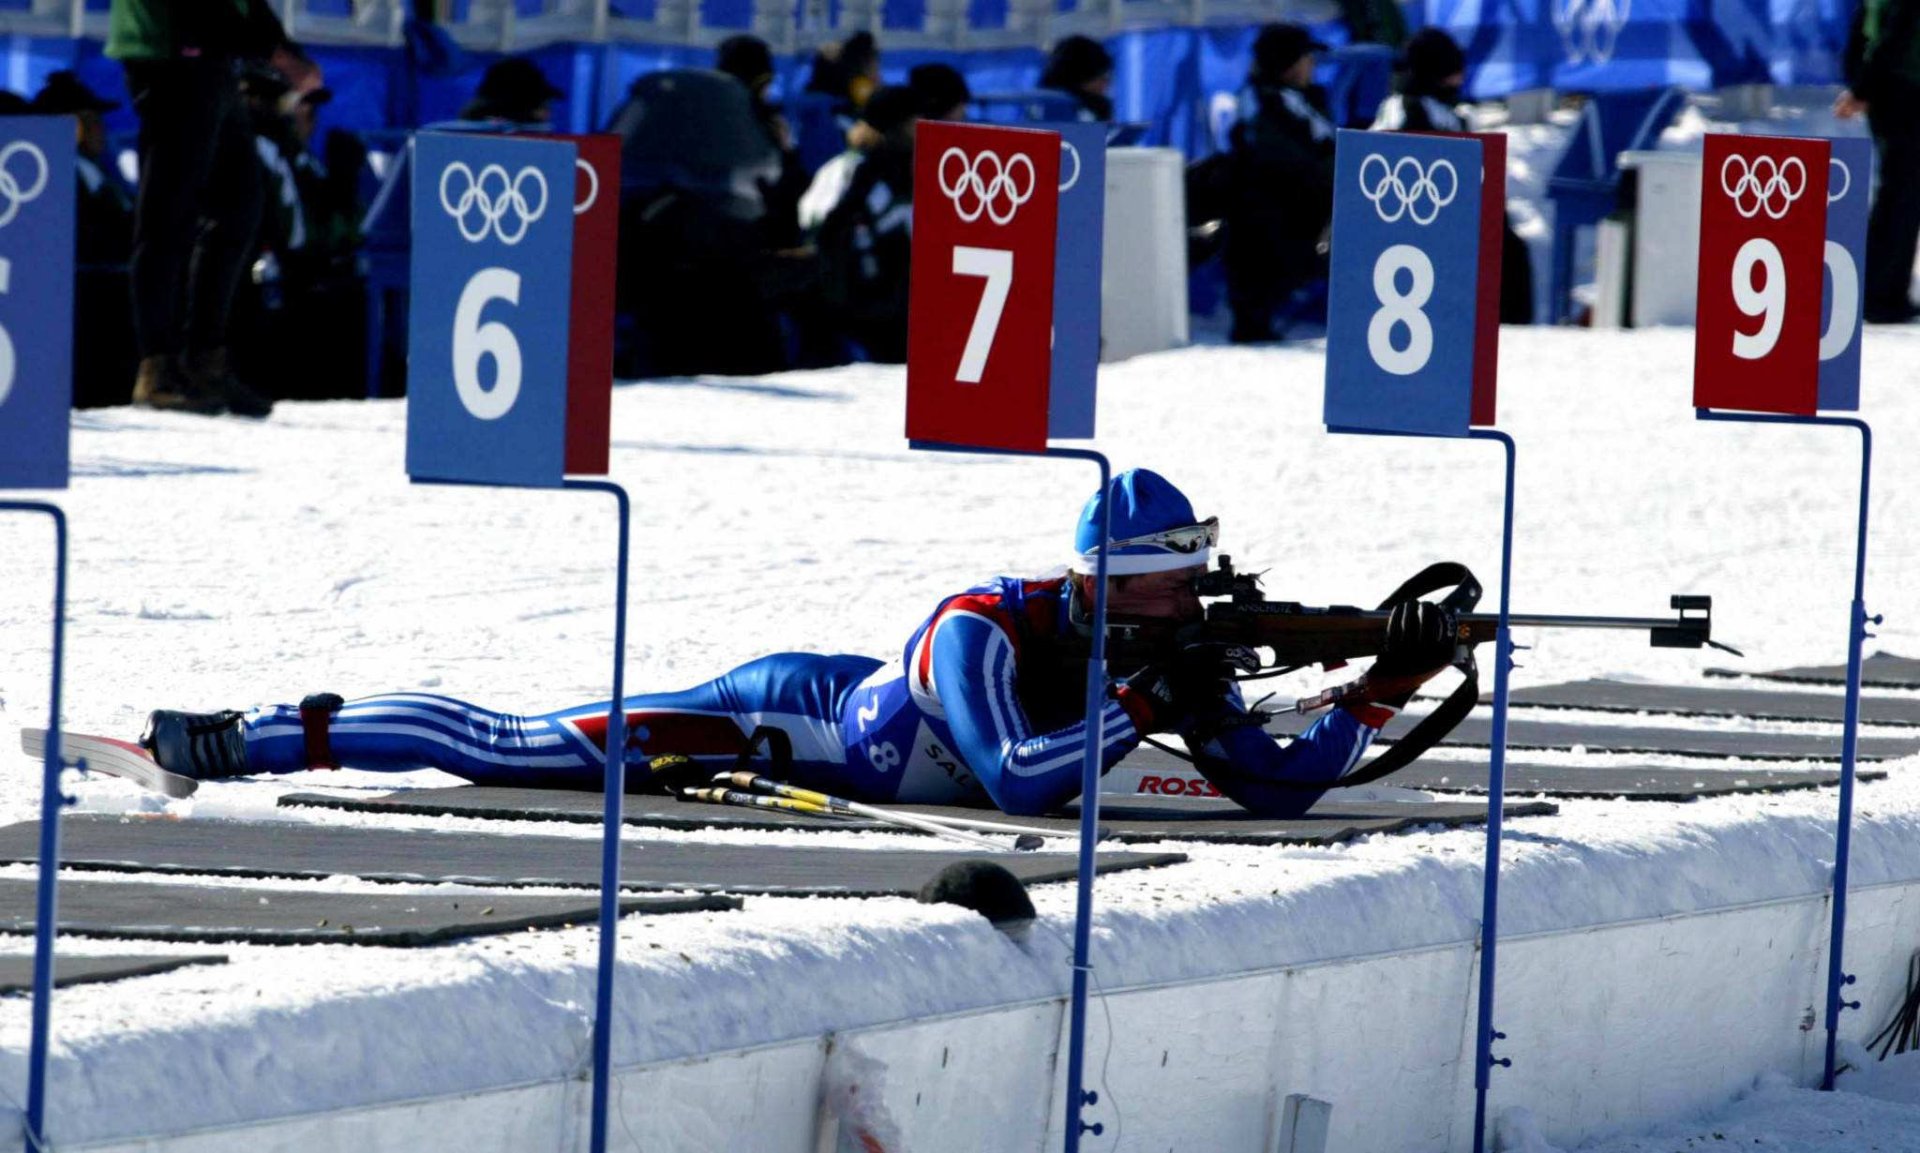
(1763, 223)
(980, 316)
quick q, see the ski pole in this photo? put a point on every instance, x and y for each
(746, 780)
(756, 801)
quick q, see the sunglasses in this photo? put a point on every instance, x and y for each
(1186, 539)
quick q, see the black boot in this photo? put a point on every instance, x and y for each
(210, 372)
(204, 746)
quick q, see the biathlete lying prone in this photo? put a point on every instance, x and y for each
(983, 705)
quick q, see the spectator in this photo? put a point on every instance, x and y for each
(199, 200)
(1883, 82)
(1081, 67)
(943, 92)
(104, 360)
(104, 222)
(849, 72)
(1435, 72)
(1279, 180)
(860, 211)
(514, 91)
(749, 60)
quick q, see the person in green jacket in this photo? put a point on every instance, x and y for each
(1883, 82)
(201, 195)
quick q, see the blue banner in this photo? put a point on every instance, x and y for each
(492, 277)
(1849, 193)
(37, 194)
(1406, 222)
(1076, 279)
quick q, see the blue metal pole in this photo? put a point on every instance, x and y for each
(1485, 1035)
(52, 800)
(616, 789)
(1850, 735)
(1077, 1095)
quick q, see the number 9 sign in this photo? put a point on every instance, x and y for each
(980, 315)
(488, 337)
(1763, 221)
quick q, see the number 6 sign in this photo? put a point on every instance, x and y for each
(980, 317)
(487, 347)
(1763, 225)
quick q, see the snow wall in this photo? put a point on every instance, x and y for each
(1609, 1024)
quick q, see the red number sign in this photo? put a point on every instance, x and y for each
(1763, 230)
(980, 319)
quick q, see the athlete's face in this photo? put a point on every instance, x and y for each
(1160, 595)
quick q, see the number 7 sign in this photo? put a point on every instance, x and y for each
(980, 313)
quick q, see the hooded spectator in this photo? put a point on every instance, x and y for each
(849, 72)
(860, 212)
(943, 92)
(104, 359)
(516, 91)
(749, 60)
(1280, 180)
(1081, 67)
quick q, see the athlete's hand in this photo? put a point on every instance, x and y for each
(1418, 645)
(1156, 698)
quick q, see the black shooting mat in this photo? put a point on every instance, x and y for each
(237, 848)
(1622, 782)
(1529, 734)
(1129, 820)
(258, 916)
(1709, 701)
(1881, 670)
(16, 972)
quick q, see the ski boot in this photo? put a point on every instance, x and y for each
(204, 746)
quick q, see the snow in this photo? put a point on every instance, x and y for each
(221, 563)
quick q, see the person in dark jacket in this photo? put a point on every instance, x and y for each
(514, 91)
(860, 213)
(849, 72)
(943, 92)
(104, 360)
(1081, 67)
(748, 59)
(1279, 197)
(200, 195)
(1433, 76)
(1883, 83)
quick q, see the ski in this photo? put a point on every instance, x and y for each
(115, 758)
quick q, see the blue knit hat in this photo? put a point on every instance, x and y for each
(1144, 504)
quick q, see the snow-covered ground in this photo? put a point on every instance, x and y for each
(222, 563)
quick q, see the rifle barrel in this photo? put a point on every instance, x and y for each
(1553, 621)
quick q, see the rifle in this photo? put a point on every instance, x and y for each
(1262, 638)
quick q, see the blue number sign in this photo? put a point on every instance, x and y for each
(1849, 192)
(1401, 305)
(487, 350)
(36, 299)
(1076, 279)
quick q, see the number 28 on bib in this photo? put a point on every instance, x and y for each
(1763, 220)
(1403, 296)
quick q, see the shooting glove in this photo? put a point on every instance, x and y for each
(1153, 698)
(1418, 645)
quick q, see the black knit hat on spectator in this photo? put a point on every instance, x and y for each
(1278, 47)
(889, 108)
(940, 87)
(1432, 56)
(747, 59)
(65, 93)
(512, 89)
(1075, 61)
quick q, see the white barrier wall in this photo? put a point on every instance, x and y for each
(1610, 1025)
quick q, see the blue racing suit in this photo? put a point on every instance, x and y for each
(983, 706)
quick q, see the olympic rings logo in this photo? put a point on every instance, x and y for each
(493, 201)
(14, 190)
(1763, 184)
(1404, 188)
(1590, 29)
(1067, 151)
(1845, 182)
(986, 185)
